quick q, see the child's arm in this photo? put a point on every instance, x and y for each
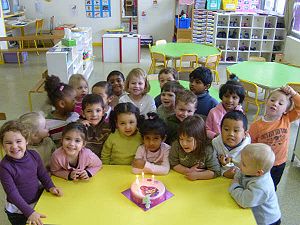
(294, 114)
(138, 162)
(254, 131)
(94, 164)
(56, 167)
(209, 124)
(162, 169)
(107, 151)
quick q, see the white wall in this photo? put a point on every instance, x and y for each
(291, 50)
(158, 22)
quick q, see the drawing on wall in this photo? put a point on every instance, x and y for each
(98, 8)
(248, 5)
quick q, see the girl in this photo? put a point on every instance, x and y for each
(62, 97)
(192, 155)
(73, 161)
(120, 147)
(232, 95)
(21, 172)
(38, 139)
(116, 79)
(153, 156)
(137, 86)
(80, 85)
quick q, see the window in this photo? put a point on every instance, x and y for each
(296, 19)
(275, 6)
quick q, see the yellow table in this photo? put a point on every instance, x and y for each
(99, 201)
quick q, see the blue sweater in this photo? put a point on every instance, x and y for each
(205, 103)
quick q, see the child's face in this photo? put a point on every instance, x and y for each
(102, 92)
(41, 133)
(81, 89)
(230, 101)
(188, 144)
(164, 78)
(93, 113)
(247, 165)
(14, 144)
(117, 84)
(168, 99)
(127, 123)
(69, 101)
(152, 142)
(277, 104)
(232, 132)
(197, 86)
(183, 110)
(136, 86)
(72, 143)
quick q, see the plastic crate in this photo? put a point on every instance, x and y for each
(11, 57)
(229, 5)
(184, 23)
(213, 4)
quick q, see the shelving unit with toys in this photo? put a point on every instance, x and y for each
(240, 36)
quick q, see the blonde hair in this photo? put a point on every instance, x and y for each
(137, 72)
(76, 78)
(31, 121)
(290, 104)
(186, 96)
(261, 155)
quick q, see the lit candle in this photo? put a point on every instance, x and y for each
(137, 181)
(142, 176)
(152, 178)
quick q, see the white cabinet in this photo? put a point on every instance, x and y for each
(240, 36)
(64, 61)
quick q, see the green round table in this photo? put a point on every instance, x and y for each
(269, 75)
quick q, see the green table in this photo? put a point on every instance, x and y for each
(175, 50)
(155, 89)
(269, 75)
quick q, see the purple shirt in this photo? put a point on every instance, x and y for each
(20, 180)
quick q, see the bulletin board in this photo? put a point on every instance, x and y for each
(98, 8)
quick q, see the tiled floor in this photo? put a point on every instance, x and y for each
(16, 81)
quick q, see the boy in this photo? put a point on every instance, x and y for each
(200, 81)
(165, 75)
(98, 128)
(116, 79)
(234, 137)
(104, 89)
(252, 186)
(185, 105)
(168, 94)
(273, 128)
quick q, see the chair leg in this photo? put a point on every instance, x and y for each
(257, 112)
(30, 101)
(246, 107)
(35, 44)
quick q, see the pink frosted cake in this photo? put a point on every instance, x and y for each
(147, 189)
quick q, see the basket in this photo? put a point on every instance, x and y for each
(183, 23)
(229, 5)
(213, 4)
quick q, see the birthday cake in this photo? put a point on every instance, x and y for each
(148, 192)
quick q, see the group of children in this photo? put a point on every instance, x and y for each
(120, 124)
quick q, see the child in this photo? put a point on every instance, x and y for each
(234, 137)
(104, 89)
(38, 138)
(62, 97)
(252, 186)
(274, 127)
(232, 95)
(168, 94)
(165, 75)
(121, 145)
(200, 81)
(116, 79)
(72, 161)
(21, 173)
(98, 128)
(185, 105)
(192, 155)
(80, 85)
(137, 86)
(153, 156)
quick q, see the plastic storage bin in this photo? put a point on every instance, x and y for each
(11, 57)
(213, 4)
(229, 5)
(183, 23)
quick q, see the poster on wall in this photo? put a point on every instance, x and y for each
(248, 5)
(98, 8)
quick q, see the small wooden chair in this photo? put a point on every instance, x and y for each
(158, 61)
(38, 88)
(191, 60)
(184, 40)
(212, 62)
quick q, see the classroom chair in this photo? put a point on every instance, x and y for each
(212, 62)
(38, 88)
(2, 117)
(188, 62)
(257, 59)
(158, 61)
(184, 40)
(251, 97)
(160, 42)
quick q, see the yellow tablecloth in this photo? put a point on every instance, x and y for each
(100, 201)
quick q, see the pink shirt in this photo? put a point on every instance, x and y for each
(87, 160)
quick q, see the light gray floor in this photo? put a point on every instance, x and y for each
(15, 82)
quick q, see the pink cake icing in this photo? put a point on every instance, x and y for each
(155, 189)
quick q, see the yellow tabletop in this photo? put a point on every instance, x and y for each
(100, 201)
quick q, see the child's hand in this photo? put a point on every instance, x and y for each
(192, 175)
(35, 218)
(230, 173)
(74, 175)
(288, 90)
(56, 191)
(234, 181)
(83, 175)
(138, 163)
(85, 123)
(224, 159)
(195, 168)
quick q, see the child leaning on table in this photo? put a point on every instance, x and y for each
(21, 174)
(192, 154)
(72, 161)
(252, 186)
(234, 137)
(165, 75)
(152, 156)
(104, 89)
(274, 127)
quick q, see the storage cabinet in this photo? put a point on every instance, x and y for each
(240, 36)
(64, 61)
